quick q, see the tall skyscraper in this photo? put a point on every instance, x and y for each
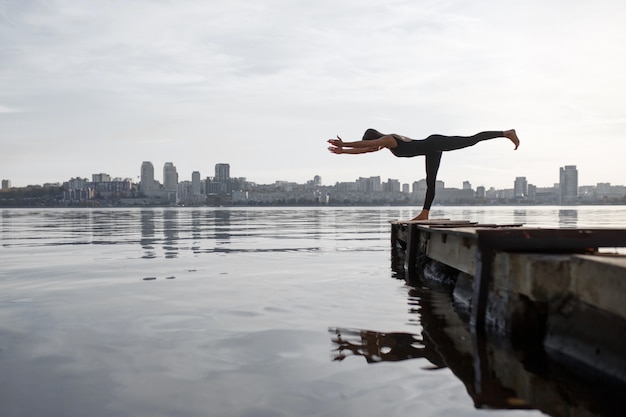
(222, 172)
(520, 187)
(170, 177)
(568, 184)
(147, 176)
(195, 183)
(6, 184)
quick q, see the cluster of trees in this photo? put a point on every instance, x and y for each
(32, 196)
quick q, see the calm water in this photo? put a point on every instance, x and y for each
(232, 312)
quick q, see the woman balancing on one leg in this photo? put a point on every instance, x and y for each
(431, 147)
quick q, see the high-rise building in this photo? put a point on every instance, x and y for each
(467, 185)
(369, 185)
(568, 184)
(100, 178)
(392, 186)
(147, 176)
(419, 187)
(520, 187)
(6, 184)
(170, 182)
(196, 186)
(222, 172)
(78, 183)
(170, 177)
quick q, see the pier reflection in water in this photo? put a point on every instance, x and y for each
(496, 373)
(444, 342)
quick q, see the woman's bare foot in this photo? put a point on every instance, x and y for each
(512, 136)
(422, 216)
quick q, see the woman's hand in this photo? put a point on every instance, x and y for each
(336, 142)
(335, 149)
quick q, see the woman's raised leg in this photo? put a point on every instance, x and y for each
(451, 143)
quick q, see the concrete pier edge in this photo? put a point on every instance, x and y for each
(536, 286)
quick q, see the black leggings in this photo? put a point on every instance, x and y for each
(439, 143)
(432, 147)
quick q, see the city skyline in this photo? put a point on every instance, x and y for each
(89, 87)
(224, 190)
(222, 170)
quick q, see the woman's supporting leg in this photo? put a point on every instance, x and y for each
(433, 160)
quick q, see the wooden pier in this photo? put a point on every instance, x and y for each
(548, 286)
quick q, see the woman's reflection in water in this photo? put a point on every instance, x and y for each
(381, 347)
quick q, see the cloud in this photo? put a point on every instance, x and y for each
(270, 80)
(7, 109)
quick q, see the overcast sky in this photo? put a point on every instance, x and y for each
(90, 86)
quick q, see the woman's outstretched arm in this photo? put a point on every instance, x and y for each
(386, 141)
(339, 150)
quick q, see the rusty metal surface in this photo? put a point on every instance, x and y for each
(531, 240)
(561, 240)
(516, 238)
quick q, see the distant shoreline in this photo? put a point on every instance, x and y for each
(436, 206)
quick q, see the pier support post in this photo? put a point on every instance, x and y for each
(484, 261)
(412, 245)
(394, 235)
